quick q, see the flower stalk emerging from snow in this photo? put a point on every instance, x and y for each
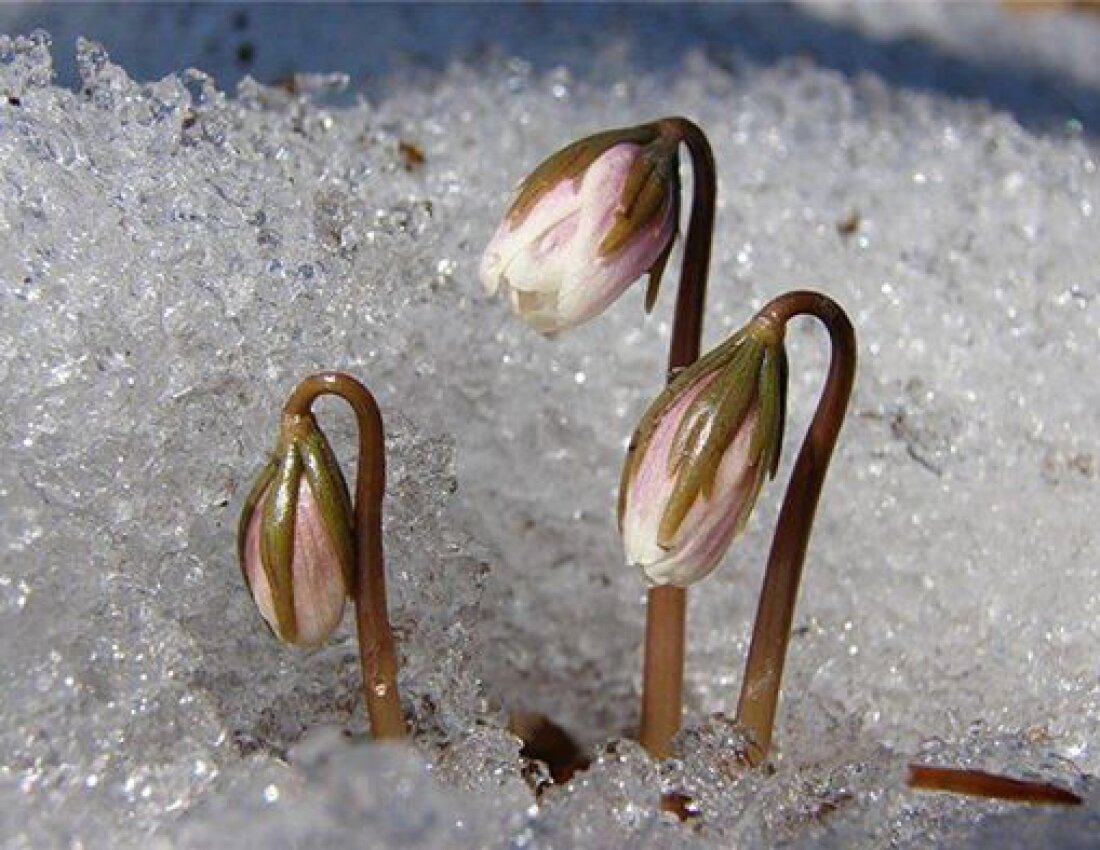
(585, 224)
(691, 478)
(666, 606)
(553, 257)
(771, 632)
(304, 548)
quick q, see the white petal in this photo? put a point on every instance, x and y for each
(514, 254)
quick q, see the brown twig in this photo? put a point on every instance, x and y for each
(979, 783)
(771, 634)
(377, 654)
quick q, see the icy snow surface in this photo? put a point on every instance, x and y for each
(173, 258)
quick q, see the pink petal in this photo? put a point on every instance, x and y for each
(319, 591)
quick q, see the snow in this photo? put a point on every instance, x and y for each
(173, 257)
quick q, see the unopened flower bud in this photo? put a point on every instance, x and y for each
(585, 224)
(295, 542)
(699, 457)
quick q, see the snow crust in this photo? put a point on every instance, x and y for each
(174, 258)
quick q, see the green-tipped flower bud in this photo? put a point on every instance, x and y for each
(295, 539)
(585, 224)
(699, 456)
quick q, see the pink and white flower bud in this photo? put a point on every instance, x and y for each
(552, 259)
(317, 580)
(700, 455)
(710, 524)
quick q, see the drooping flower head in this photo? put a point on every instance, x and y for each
(699, 457)
(585, 224)
(295, 539)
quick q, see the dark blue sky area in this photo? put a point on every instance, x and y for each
(387, 41)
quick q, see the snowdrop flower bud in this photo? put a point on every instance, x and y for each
(295, 540)
(699, 456)
(585, 224)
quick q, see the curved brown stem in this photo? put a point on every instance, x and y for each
(377, 654)
(666, 607)
(691, 295)
(771, 633)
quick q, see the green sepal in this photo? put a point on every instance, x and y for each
(740, 388)
(768, 439)
(784, 382)
(259, 487)
(277, 538)
(657, 272)
(326, 482)
(645, 196)
(723, 402)
(707, 430)
(570, 163)
(653, 284)
(759, 472)
(711, 361)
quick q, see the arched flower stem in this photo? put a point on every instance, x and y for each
(377, 654)
(691, 295)
(771, 633)
(666, 607)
